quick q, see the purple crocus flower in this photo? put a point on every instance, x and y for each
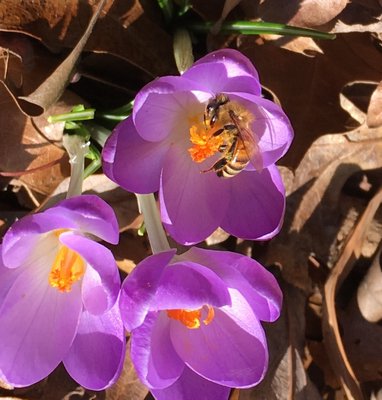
(187, 133)
(58, 296)
(195, 322)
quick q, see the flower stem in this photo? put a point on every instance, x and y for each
(81, 115)
(167, 8)
(260, 27)
(77, 148)
(154, 227)
(118, 114)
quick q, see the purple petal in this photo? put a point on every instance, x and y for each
(101, 282)
(166, 86)
(264, 285)
(237, 63)
(23, 240)
(257, 285)
(257, 205)
(139, 288)
(7, 277)
(96, 356)
(163, 85)
(225, 71)
(188, 285)
(271, 126)
(91, 214)
(223, 351)
(167, 115)
(38, 324)
(109, 151)
(192, 203)
(191, 386)
(95, 296)
(152, 352)
(133, 163)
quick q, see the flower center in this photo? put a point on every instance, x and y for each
(68, 267)
(191, 318)
(204, 143)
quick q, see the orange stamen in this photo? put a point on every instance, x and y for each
(191, 318)
(204, 143)
(68, 267)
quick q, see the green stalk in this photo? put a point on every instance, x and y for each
(77, 148)
(82, 115)
(96, 163)
(118, 114)
(260, 27)
(167, 9)
(153, 224)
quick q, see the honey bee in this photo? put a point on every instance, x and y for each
(239, 144)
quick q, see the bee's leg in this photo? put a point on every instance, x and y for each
(222, 162)
(232, 149)
(230, 127)
(218, 132)
(218, 166)
(205, 121)
(223, 148)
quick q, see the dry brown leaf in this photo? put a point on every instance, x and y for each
(332, 336)
(362, 341)
(24, 74)
(341, 27)
(130, 250)
(341, 16)
(24, 148)
(309, 88)
(52, 88)
(5, 385)
(286, 378)
(359, 16)
(369, 293)
(128, 386)
(209, 10)
(11, 64)
(126, 29)
(218, 236)
(356, 113)
(57, 386)
(374, 112)
(229, 5)
(318, 353)
(355, 98)
(360, 149)
(305, 13)
(34, 154)
(314, 214)
(303, 45)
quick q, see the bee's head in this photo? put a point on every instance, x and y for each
(211, 114)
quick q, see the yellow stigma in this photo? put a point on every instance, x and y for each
(204, 143)
(57, 232)
(191, 318)
(68, 267)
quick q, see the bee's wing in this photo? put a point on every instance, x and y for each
(250, 144)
